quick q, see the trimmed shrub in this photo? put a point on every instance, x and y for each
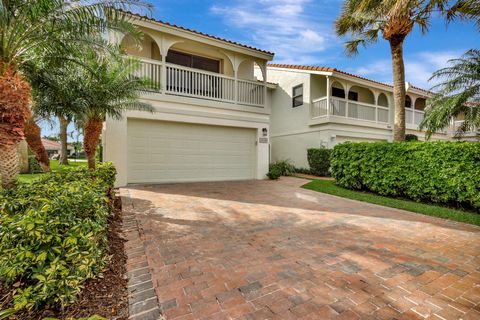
(53, 234)
(280, 168)
(438, 172)
(319, 161)
(411, 137)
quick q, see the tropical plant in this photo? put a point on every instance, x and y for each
(365, 20)
(29, 31)
(32, 133)
(53, 235)
(57, 92)
(109, 90)
(457, 94)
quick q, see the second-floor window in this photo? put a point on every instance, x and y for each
(297, 94)
(193, 61)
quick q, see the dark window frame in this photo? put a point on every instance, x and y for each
(297, 100)
(194, 60)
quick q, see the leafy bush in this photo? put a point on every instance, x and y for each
(319, 161)
(274, 172)
(411, 137)
(439, 172)
(33, 165)
(280, 168)
(53, 234)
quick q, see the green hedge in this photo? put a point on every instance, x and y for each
(438, 172)
(319, 161)
(53, 234)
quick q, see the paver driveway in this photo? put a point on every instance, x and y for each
(271, 250)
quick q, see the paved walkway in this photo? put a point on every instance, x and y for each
(271, 250)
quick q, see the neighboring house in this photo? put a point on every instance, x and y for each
(359, 109)
(53, 148)
(211, 118)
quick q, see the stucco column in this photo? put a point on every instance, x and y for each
(328, 96)
(262, 152)
(115, 147)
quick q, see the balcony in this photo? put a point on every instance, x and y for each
(176, 80)
(413, 118)
(471, 132)
(347, 109)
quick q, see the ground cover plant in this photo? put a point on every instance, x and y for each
(53, 235)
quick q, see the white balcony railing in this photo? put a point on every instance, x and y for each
(190, 82)
(469, 132)
(349, 109)
(413, 118)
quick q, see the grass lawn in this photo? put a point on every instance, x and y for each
(427, 209)
(54, 166)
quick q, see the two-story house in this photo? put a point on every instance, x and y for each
(212, 115)
(319, 106)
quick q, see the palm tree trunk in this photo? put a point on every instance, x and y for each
(15, 95)
(34, 140)
(92, 131)
(63, 139)
(9, 165)
(398, 68)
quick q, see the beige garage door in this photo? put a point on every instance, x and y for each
(160, 152)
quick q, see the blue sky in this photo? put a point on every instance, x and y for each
(301, 32)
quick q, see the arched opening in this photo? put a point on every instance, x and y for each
(361, 94)
(147, 48)
(337, 90)
(382, 100)
(408, 102)
(420, 104)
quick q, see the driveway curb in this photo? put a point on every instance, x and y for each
(142, 299)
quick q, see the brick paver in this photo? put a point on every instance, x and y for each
(271, 250)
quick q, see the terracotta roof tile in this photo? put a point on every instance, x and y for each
(324, 69)
(198, 32)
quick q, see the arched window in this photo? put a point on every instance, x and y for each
(408, 102)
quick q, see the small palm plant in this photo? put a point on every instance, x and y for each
(31, 30)
(457, 93)
(109, 91)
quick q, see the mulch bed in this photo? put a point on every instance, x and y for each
(106, 297)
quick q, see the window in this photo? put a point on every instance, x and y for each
(408, 102)
(337, 92)
(297, 95)
(192, 61)
(353, 96)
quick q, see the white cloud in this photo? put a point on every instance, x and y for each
(287, 27)
(418, 67)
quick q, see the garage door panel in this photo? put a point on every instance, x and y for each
(161, 151)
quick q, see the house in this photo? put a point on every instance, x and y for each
(223, 113)
(212, 115)
(53, 148)
(320, 107)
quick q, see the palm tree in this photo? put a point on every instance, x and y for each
(33, 134)
(56, 93)
(29, 31)
(458, 93)
(365, 20)
(108, 92)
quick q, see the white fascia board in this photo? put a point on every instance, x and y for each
(149, 24)
(323, 73)
(362, 82)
